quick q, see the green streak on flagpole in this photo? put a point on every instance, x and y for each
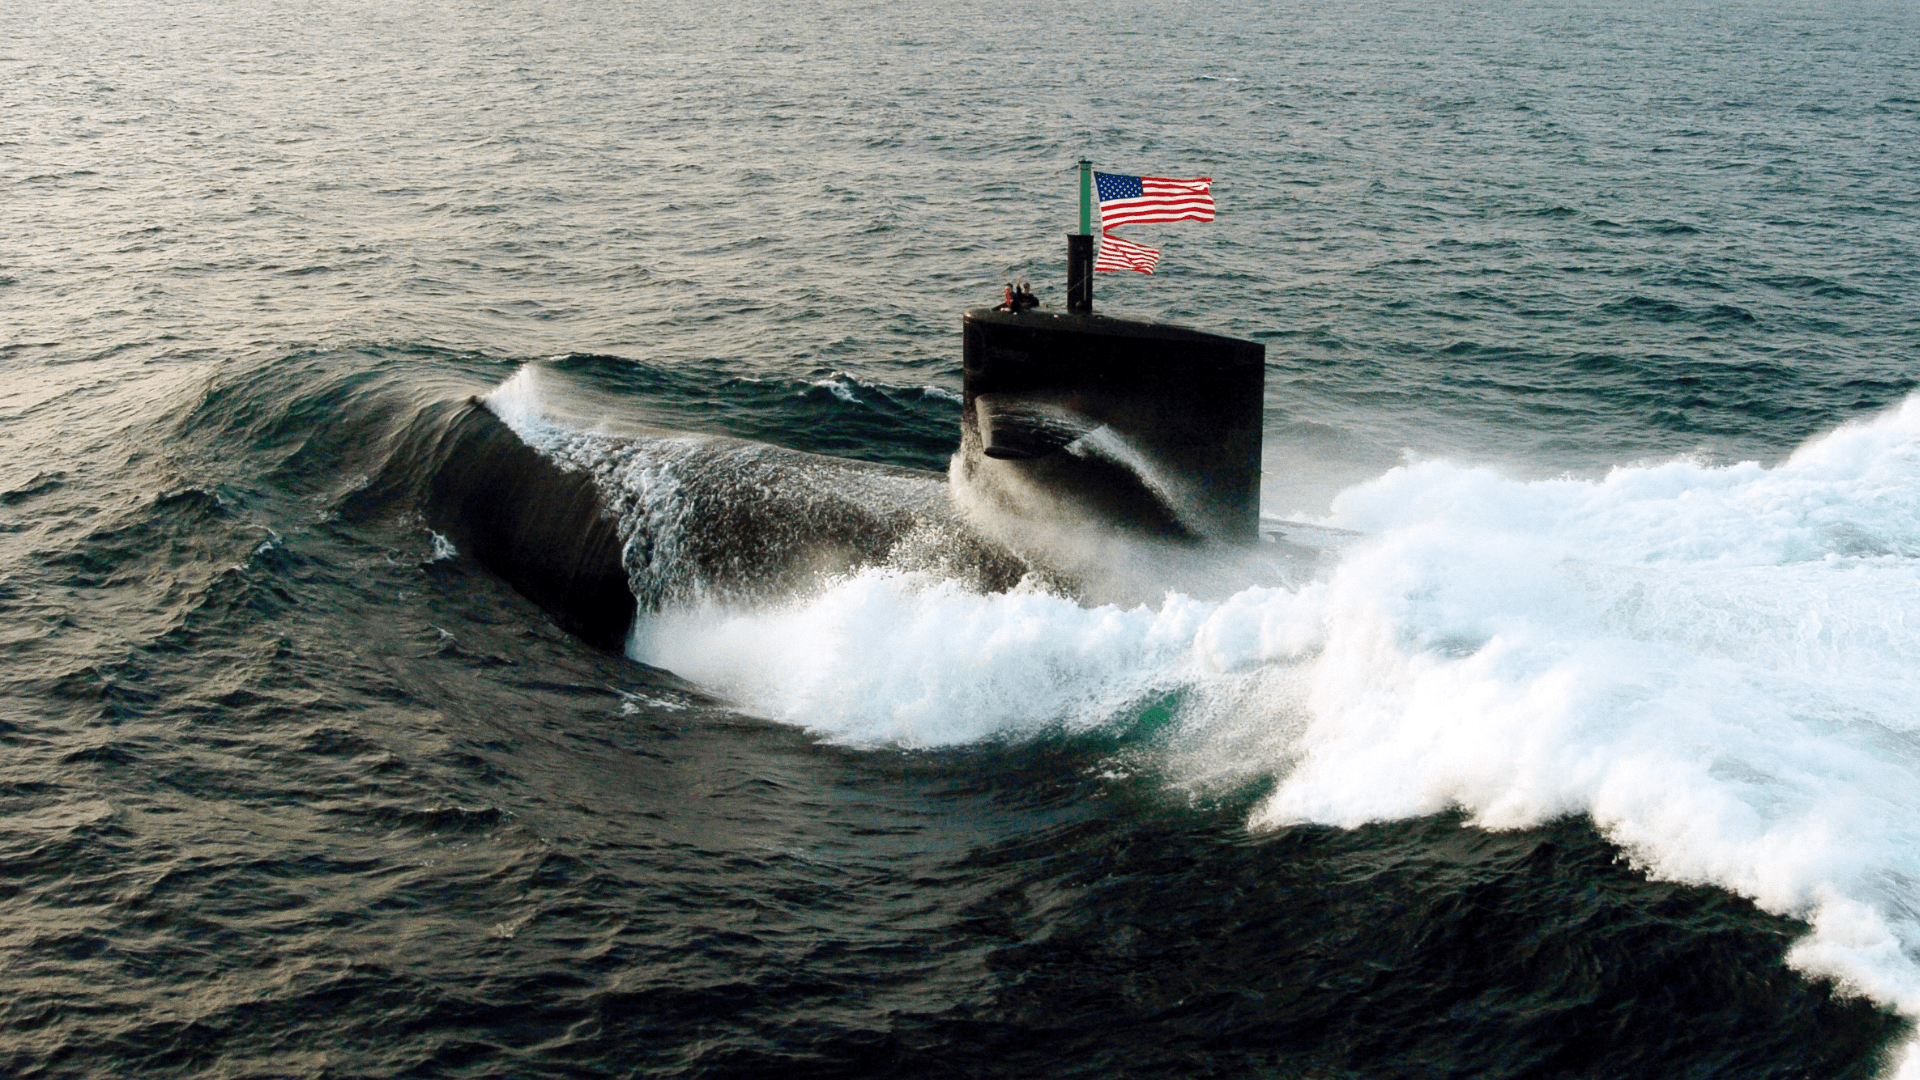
(1086, 197)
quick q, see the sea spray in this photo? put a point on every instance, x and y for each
(890, 658)
(1714, 664)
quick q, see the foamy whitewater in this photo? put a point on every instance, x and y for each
(1714, 664)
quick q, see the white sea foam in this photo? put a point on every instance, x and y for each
(1716, 664)
(886, 657)
(517, 403)
(840, 385)
(443, 548)
(522, 404)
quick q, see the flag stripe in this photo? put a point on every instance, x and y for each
(1111, 217)
(1118, 254)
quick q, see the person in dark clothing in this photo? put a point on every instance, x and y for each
(1023, 298)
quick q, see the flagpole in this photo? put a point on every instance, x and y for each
(1080, 249)
(1086, 197)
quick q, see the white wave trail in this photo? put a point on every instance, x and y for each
(886, 657)
(1716, 664)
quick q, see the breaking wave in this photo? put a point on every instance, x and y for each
(1714, 664)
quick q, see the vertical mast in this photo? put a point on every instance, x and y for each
(1086, 197)
(1080, 249)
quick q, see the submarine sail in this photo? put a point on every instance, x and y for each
(1076, 419)
(1139, 426)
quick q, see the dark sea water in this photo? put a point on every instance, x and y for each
(1596, 754)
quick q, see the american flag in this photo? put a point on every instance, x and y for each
(1118, 254)
(1126, 200)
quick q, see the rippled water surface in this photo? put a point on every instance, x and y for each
(1594, 755)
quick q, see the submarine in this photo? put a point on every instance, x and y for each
(1081, 435)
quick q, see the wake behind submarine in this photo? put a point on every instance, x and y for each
(1080, 434)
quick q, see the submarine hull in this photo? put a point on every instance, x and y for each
(1070, 422)
(635, 524)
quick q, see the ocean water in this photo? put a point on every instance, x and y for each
(1589, 748)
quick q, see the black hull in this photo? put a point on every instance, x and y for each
(542, 528)
(1137, 426)
(730, 522)
(1076, 430)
